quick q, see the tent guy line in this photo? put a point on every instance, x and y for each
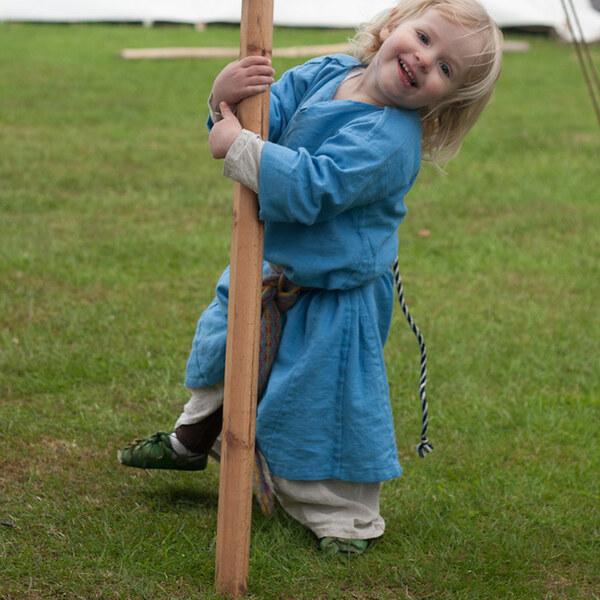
(587, 68)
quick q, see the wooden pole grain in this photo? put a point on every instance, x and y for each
(243, 330)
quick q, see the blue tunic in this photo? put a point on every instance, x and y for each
(331, 191)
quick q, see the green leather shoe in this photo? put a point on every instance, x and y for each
(334, 545)
(156, 452)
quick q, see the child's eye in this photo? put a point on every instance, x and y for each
(423, 37)
(445, 69)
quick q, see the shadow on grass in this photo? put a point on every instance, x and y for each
(179, 498)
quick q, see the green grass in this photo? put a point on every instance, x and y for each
(114, 226)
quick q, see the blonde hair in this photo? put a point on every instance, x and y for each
(445, 124)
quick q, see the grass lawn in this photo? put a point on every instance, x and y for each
(114, 226)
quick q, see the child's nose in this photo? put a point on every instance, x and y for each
(423, 60)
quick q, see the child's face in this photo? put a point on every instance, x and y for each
(422, 61)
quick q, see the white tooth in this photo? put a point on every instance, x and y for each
(408, 73)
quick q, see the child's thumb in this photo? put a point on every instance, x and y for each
(225, 110)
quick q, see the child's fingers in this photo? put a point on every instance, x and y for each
(259, 80)
(255, 89)
(255, 86)
(257, 68)
(254, 60)
(259, 71)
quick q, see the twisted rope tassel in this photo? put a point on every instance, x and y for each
(424, 447)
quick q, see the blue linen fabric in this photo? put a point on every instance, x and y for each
(331, 191)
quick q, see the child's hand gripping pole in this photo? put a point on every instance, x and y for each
(241, 362)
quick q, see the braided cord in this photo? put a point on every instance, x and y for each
(424, 447)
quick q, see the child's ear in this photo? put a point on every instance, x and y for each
(384, 34)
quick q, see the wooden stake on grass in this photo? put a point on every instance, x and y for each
(243, 330)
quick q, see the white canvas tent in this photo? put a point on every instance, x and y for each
(321, 13)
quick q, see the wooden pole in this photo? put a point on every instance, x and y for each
(243, 326)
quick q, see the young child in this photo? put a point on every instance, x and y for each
(346, 138)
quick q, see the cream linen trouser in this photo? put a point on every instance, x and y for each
(329, 508)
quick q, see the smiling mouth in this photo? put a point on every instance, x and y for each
(410, 78)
